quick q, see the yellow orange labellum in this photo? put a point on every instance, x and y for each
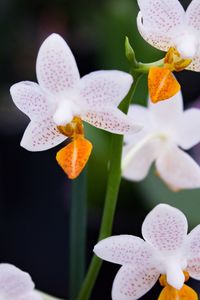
(73, 157)
(75, 127)
(174, 61)
(162, 84)
(185, 293)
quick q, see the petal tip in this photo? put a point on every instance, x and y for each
(13, 89)
(54, 36)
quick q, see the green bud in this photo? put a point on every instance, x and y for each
(130, 54)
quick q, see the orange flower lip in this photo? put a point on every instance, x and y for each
(170, 293)
(185, 293)
(162, 84)
(73, 157)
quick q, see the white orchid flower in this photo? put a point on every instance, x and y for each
(61, 101)
(168, 130)
(16, 284)
(166, 249)
(165, 24)
(61, 95)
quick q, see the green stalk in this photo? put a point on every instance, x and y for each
(144, 68)
(113, 184)
(78, 213)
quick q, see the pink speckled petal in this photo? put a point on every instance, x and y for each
(102, 88)
(193, 252)
(41, 135)
(124, 249)
(14, 283)
(195, 64)
(34, 295)
(193, 13)
(31, 100)
(165, 228)
(112, 120)
(193, 267)
(193, 243)
(178, 169)
(56, 67)
(157, 39)
(161, 15)
(187, 128)
(132, 282)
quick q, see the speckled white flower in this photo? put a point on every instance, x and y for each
(167, 249)
(167, 129)
(16, 284)
(165, 24)
(61, 95)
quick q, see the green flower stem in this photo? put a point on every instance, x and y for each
(144, 68)
(78, 218)
(113, 184)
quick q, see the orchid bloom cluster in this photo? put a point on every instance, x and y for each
(166, 252)
(59, 104)
(16, 284)
(166, 26)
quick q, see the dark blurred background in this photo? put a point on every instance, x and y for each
(34, 192)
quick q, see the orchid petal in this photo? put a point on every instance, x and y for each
(124, 249)
(187, 129)
(193, 243)
(14, 283)
(192, 14)
(105, 88)
(140, 115)
(168, 111)
(56, 67)
(41, 135)
(178, 169)
(195, 64)
(165, 228)
(137, 167)
(193, 267)
(193, 253)
(157, 39)
(31, 100)
(132, 282)
(111, 119)
(34, 295)
(162, 15)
